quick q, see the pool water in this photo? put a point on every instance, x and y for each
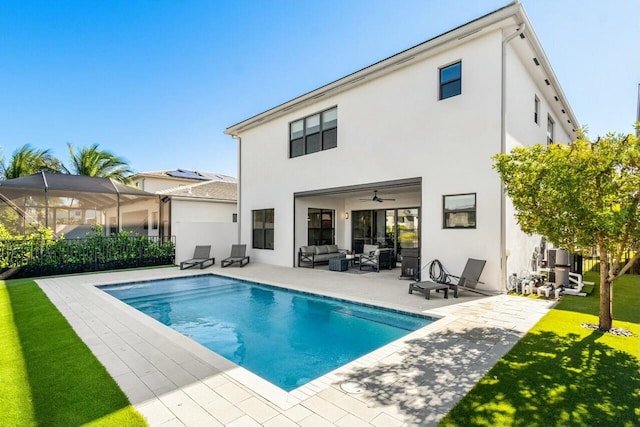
(288, 338)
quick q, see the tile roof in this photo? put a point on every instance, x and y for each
(214, 190)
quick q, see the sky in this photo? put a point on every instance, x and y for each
(157, 81)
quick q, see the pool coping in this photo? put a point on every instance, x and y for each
(69, 300)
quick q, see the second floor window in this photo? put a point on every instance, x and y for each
(550, 124)
(536, 109)
(314, 133)
(451, 80)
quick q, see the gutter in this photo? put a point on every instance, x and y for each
(503, 147)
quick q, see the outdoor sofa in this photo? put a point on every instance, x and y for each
(310, 256)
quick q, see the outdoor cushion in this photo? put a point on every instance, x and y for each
(307, 249)
(322, 249)
(370, 248)
(332, 248)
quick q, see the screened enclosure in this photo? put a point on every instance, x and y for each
(71, 204)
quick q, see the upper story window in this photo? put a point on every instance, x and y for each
(314, 133)
(451, 80)
(536, 109)
(550, 126)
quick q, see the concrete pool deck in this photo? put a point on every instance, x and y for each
(416, 380)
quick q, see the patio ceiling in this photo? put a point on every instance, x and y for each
(385, 188)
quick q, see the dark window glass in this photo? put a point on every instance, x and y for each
(258, 239)
(263, 228)
(330, 139)
(313, 143)
(297, 147)
(314, 133)
(459, 211)
(451, 89)
(320, 226)
(451, 80)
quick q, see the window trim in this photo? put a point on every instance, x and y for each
(474, 210)
(441, 83)
(551, 125)
(536, 110)
(321, 131)
(263, 228)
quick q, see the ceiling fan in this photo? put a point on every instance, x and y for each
(376, 198)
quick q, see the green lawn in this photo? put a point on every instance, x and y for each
(48, 375)
(561, 374)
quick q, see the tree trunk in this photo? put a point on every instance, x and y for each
(606, 313)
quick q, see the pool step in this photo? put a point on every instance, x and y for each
(184, 295)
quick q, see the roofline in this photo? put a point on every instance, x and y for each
(200, 199)
(513, 9)
(535, 44)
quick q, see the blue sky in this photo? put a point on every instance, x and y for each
(158, 81)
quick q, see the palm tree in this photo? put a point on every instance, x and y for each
(27, 160)
(91, 161)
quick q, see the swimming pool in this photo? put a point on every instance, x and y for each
(288, 338)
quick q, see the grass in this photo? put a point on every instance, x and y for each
(561, 374)
(49, 377)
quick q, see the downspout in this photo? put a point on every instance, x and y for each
(239, 187)
(503, 148)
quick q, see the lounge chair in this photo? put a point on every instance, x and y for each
(238, 255)
(200, 257)
(468, 280)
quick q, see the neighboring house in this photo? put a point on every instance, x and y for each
(204, 213)
(419, 127)
(198, 208)
(165, 179)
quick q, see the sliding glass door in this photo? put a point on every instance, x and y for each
(387, 228)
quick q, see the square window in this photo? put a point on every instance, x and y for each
(451, 80)
(459, 211)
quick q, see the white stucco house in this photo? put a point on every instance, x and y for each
(416, 130)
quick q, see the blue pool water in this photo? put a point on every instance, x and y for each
(288, 338)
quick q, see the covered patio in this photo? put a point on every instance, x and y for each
(386, 214)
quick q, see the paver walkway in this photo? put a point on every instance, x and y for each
(174, 381)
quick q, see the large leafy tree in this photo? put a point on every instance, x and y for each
(582, 195)
(91, 161)
(27, 160)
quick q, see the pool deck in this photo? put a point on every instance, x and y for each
(416, 380)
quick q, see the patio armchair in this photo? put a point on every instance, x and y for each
(238, 256)
(200, 257)
(376, 258)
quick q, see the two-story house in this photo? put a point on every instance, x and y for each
(399, 153)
